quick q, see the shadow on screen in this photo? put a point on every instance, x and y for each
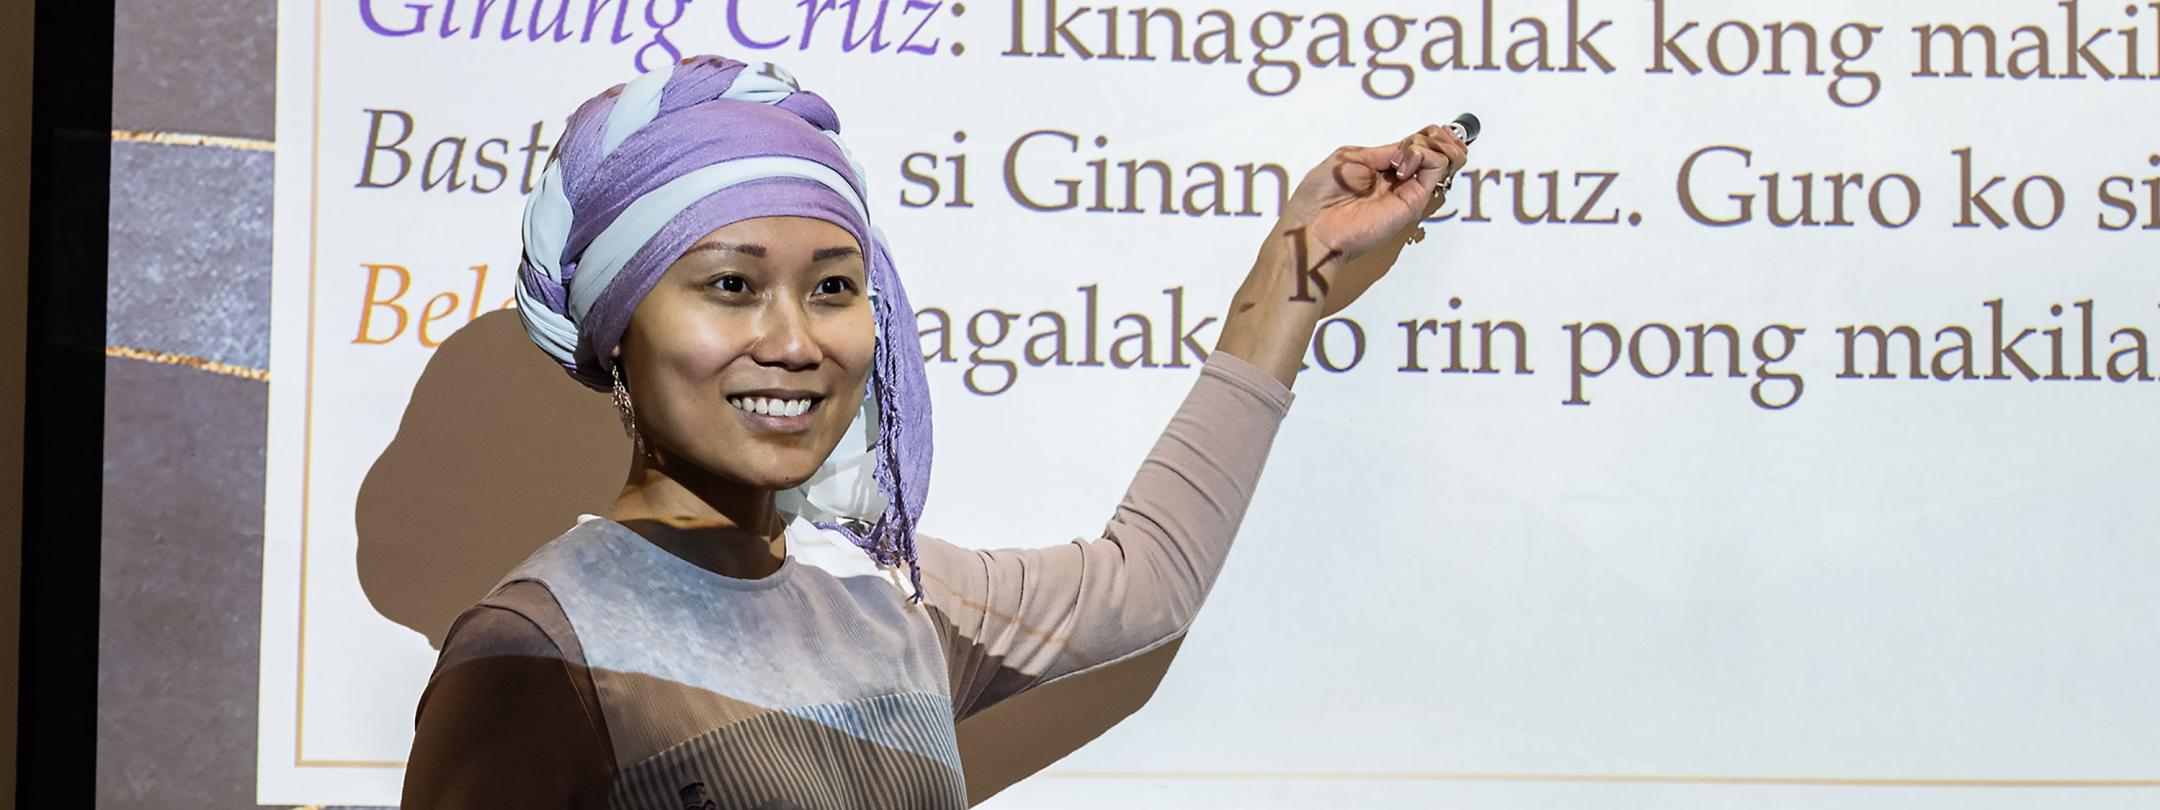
(497, 454)
(499, 451)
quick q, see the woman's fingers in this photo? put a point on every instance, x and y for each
(1412, 158)
(1360, 169)
(1453, 153)
(1443, 139)
(1441, 132)
(1356, 170)
(1456, 155)
(1376, 158)
(1430, 155)
(1411, 178)
(1440, 140)
(1429, 159)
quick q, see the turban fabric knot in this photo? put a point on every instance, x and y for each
(646, 169)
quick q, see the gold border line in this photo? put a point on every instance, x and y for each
(190, 361)
(1691, 779)
(193, 139)
(307, 430)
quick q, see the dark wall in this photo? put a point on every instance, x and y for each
(15, 72)
(62, 318)
(188, 281)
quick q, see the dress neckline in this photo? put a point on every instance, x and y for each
(663, 558)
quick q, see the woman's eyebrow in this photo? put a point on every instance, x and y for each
(821, 254)
(738, 247)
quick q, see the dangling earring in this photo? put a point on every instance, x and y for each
(629, 419)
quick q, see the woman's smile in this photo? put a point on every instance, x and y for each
(779, 411)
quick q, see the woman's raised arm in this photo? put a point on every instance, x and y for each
(1014, 619)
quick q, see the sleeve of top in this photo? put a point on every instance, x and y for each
(509, 717)
(1014, 619)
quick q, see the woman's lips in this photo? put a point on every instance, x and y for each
(777, 414)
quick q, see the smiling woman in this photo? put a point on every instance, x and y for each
(736, 629)
(737, 348)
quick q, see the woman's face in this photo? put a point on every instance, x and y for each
(748, 357)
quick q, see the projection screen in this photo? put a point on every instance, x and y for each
(1764, 420)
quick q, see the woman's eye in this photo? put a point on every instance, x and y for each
(732, 284)
(835, 286)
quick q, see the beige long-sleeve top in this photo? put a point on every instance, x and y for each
(605, 671)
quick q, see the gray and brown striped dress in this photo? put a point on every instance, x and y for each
(605, 671)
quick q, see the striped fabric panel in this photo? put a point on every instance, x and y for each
(893, 752)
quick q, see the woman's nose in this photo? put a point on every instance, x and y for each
(784, 338)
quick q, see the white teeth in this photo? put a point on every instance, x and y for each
(771, 407)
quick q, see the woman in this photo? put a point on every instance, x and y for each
(737, 630)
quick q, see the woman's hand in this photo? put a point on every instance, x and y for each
(1351, 215)
(1340, 231)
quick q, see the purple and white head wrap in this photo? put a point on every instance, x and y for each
(646, 169)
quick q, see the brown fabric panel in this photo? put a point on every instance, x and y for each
(509, 717)
(532, 601)
(1014, 619)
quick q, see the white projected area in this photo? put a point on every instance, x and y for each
(1765, 420)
